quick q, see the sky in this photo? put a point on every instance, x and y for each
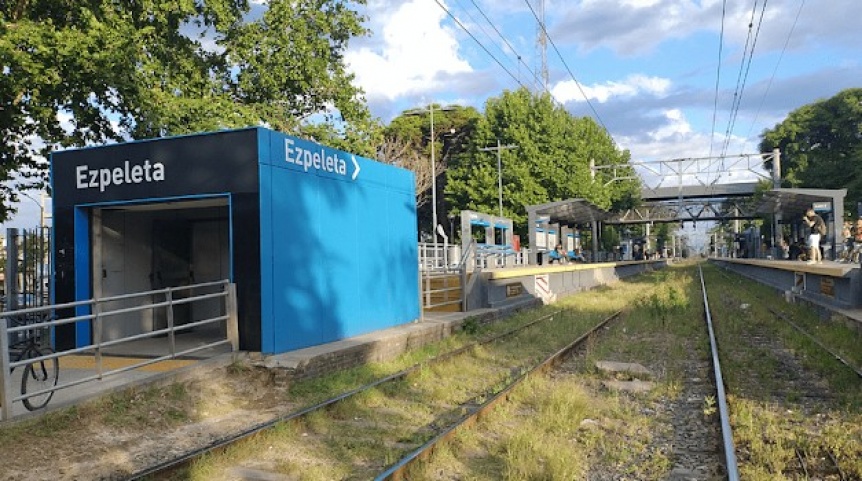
(645, 69)
(669, 79)
(663, 76)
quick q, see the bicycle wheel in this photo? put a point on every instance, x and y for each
(39, 375)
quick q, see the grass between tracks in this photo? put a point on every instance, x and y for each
(363, 435)
(798, 402)
(561, 427)
(567, 426)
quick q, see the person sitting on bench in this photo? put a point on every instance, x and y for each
(558, 254)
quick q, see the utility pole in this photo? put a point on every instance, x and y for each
(499, 148)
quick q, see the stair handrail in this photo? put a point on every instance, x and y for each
(462, 267)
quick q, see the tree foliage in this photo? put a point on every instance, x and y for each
(80, 72)
(407, 143)
(551, 162)
(821, 145)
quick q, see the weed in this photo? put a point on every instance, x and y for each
(238, 367)
(470, 326)
(709, 406)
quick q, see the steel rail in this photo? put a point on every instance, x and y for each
(834, 354)
(224, 442)
(834, 460)
(398, 471)
(800, 456)
(786, 318)
(726, 432)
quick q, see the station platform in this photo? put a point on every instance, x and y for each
(831, 286)
(389, 343)
(302, 363)
(826, 268)
(513, 272)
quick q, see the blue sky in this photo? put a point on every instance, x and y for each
(648, 67)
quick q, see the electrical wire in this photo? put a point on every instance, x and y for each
(481, 45)
(475, 22)
(508, 44)
(744, 69)
(506, 41)
(566, 65)
(775, 70)
(717, 75)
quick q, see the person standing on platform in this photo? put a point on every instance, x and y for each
(857, 241)
(818, 228)
(848, 242)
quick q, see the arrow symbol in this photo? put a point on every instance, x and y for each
(356, 168)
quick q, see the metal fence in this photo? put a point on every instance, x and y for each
(219, 298)
(27, 270)
(450, 258)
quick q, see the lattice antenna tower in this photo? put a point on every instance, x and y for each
(542, 44)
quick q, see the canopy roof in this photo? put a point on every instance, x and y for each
(569, 212)
(794, 202)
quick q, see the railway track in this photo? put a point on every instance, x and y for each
(805, 443)
(691, 440)
(695, 441)
(399, 470)
(170, 468)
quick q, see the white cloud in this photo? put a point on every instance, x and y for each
(674, 138)
(415, 49)
(567, 90)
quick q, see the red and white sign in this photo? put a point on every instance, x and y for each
(543, 288)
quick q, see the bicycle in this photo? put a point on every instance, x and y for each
(38, 375)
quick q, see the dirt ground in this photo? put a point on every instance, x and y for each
(115, 436)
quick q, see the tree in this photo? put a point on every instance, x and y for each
(551, 163)
(610, 238)
(407, 143)
(821, 145)
(83, 72)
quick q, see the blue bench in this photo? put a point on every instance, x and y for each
(576, 257)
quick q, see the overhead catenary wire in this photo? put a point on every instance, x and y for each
(474, 22)
(506, 41)
(744, 69)
(478, 42)
(775, 70)
(718, 74)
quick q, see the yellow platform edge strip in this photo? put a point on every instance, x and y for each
(539, 270)
(111, 363)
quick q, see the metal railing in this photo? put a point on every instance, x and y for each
(166, 298)
(449, 258)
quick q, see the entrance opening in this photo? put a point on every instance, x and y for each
(146, 247)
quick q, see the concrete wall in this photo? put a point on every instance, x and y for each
(840, 291)
(500, 288)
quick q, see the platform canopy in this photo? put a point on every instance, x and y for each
(568, 212)
(792, 203)
(558, 221)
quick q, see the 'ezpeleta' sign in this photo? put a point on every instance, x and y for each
(310, 156)
(127, 174)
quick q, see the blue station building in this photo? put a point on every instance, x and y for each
(320, 243)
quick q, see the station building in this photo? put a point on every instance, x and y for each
(320, 243)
